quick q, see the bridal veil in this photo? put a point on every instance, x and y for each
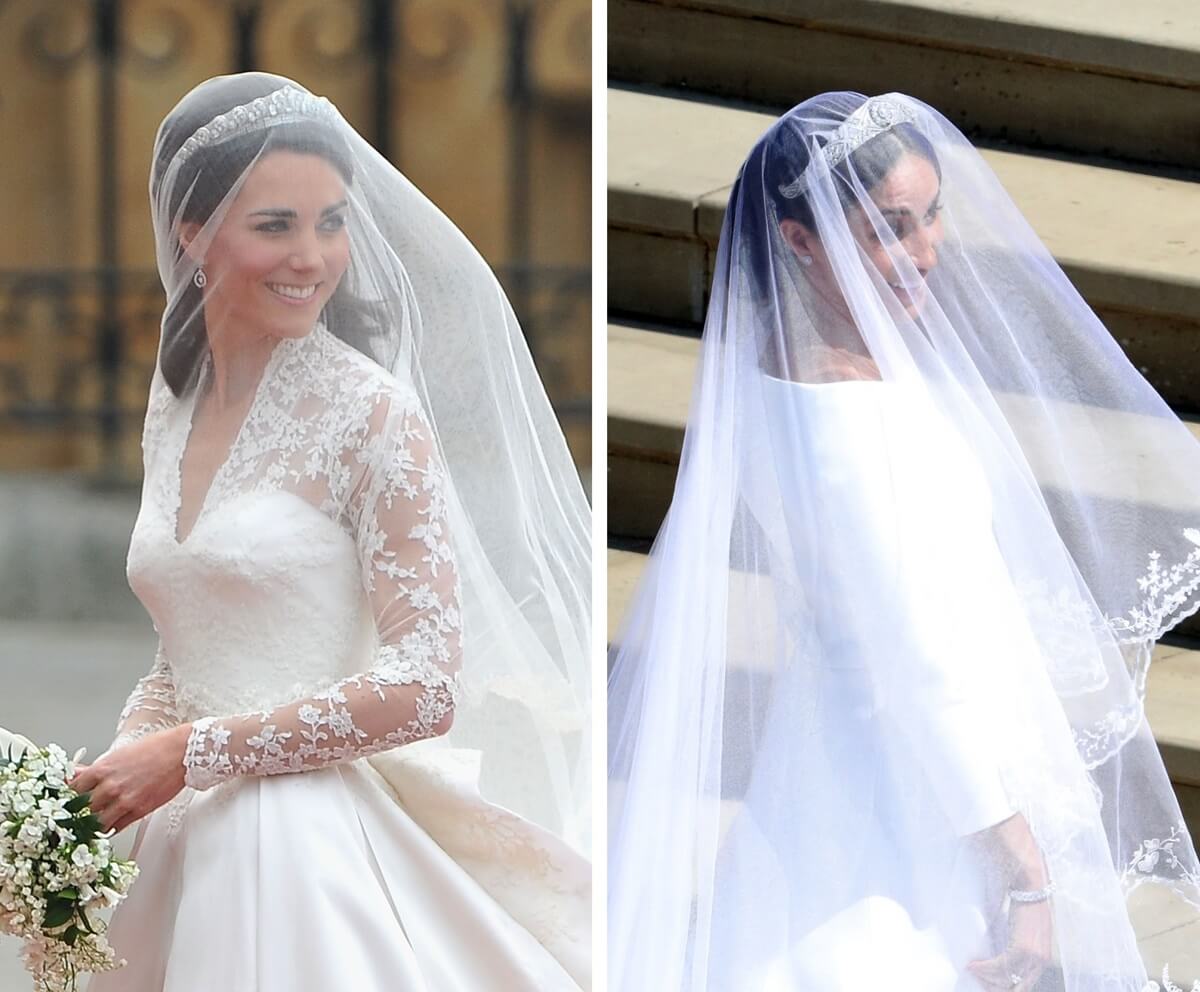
(928, 524)
(418, 300)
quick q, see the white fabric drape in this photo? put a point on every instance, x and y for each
(364, 547)
(888, 658)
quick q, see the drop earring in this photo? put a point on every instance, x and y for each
(200, 278)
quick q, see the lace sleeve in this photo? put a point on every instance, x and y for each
(150, 706)
(397, 512)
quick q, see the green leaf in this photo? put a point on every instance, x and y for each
(77, 804)
(58, 913)
(70, 935)
(72, 894)
(87, 828)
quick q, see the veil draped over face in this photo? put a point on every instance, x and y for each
(239, 252)
(928, 524)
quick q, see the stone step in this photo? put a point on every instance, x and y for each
(1129, 242)
(650, 378)
(1105, 78)
(1167, 931)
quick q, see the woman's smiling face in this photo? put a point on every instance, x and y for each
(908, 198)
(281, 249)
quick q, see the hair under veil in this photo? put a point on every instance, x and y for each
(419, 301)
(928, 524)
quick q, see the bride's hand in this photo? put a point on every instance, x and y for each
(136, 779)
(1030, 945)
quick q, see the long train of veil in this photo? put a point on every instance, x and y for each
(883, 679)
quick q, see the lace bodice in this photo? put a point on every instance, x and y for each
(311, 615)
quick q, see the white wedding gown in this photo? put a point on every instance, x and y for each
(305, 624)
(845, 866)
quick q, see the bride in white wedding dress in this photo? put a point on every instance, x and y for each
(359, 759)
(876, 709)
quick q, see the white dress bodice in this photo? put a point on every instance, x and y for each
(883, 495)
(310, 619)
(881, 752)
(263, 603)
(311, 614)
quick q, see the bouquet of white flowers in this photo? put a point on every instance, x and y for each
(56, 867)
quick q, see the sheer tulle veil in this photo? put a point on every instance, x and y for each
(419, 300)
(928, 524)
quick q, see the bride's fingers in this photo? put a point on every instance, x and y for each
(100, 812)
(107, 809)
(997, 974)
(124, 822)
(990, 975)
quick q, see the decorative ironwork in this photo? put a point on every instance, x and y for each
(436, 38)
(48, 370)
(60, 35)
(77, 345)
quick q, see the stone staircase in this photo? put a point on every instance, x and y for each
(1088, 114)
(1105, 77)
(1129, 241)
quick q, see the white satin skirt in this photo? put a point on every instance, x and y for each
(322, 881)
(822, 884)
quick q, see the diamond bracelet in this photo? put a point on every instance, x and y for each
(1031, 896)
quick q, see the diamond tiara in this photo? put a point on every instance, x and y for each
(278, 107)
(878, 114)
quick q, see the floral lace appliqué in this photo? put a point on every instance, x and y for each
(1166, 591)
(1168, 985)
(151, 705)
(387, 484)
(331, 427)
(1156, 860)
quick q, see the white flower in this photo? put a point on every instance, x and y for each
(109, 897)
(30, 833)
(15, 743)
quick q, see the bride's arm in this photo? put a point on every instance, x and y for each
(150, 706)
(398, 514)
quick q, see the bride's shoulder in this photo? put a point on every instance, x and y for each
(159, 405)
(354, 372)
(369, 396)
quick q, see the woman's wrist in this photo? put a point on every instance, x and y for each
(1028, 896)
(183, 734)
(1029, 879)
(1017, 854)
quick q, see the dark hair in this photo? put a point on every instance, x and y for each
(203, 182)
(782, 156)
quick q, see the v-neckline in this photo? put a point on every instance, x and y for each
(189, 413)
